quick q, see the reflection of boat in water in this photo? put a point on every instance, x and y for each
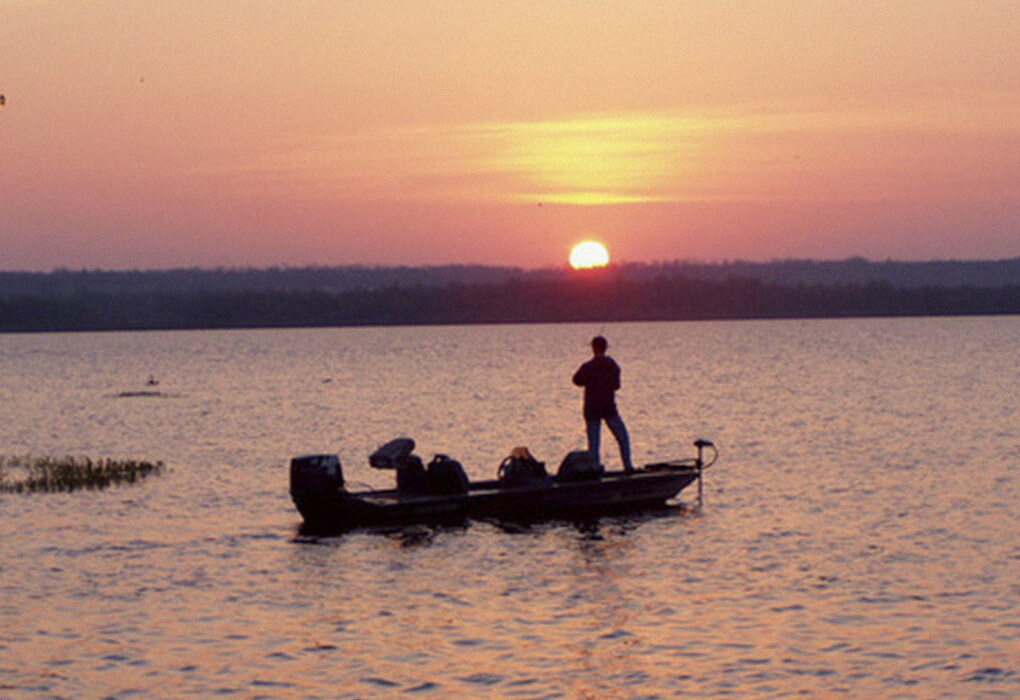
(441, 491)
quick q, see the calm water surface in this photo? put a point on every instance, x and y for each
(860, 535)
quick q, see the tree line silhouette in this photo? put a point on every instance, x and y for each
(600, 295)
(938, 273)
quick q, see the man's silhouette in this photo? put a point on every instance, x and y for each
(600, 377)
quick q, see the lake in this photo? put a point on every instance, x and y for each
(860, 533)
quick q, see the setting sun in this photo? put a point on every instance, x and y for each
(588, 254)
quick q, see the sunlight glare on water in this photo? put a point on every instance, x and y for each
(860, 534)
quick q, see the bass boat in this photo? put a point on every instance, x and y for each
(440, 492)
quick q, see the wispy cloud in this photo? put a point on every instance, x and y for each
(581, 160)
(762, 154)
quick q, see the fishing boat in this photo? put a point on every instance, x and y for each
(440, 492)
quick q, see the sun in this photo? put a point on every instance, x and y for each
(588, 254)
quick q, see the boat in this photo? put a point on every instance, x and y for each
(523, 491)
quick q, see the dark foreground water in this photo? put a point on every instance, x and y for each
(860, 535)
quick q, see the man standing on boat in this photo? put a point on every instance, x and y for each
(600, 377)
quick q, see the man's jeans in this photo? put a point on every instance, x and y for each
(619, 431)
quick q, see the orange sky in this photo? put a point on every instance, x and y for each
(151, 135)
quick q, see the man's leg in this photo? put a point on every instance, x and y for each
(594, 436)
(620, 433)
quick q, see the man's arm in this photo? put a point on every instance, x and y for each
(581, 375)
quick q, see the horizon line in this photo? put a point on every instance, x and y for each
(61, 269)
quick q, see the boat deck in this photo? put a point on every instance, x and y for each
(492, 487)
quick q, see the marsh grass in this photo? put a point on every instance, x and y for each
(48, 474)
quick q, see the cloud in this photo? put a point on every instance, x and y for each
(754, 154)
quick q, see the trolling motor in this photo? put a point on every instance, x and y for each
(696, 464)
(699, 462)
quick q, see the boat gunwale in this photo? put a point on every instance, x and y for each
(389, 496)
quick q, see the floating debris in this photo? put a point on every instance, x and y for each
(49, 474)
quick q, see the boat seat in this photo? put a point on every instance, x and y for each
(411, 477)
(580, 465)
(519, 471)
(446, 477)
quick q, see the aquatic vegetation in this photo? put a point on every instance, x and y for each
(47, 474)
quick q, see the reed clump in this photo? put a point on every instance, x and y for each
(51, 474)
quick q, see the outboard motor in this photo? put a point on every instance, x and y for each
(317, 486)
(315, 475)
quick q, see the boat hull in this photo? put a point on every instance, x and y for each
(326, 506)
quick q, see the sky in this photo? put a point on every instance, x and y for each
(146, 135)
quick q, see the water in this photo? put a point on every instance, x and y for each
(860, 534)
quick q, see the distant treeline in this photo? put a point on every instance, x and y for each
(64, 283)
(603, 295)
